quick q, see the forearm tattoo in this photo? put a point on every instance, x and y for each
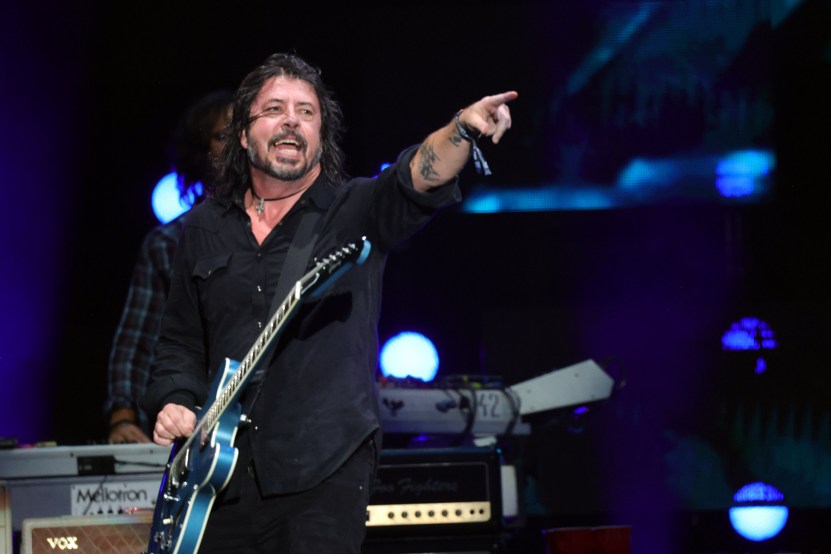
(456, 138)
(428, 158)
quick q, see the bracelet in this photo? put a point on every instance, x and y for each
(479, 162)
(462, 131)
(119, 423)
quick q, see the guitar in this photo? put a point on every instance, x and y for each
(201, 465)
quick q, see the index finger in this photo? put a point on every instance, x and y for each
(502, 98)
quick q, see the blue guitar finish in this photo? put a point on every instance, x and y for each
(183, 508)
(200, 466)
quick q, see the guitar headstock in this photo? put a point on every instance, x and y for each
(333, 265)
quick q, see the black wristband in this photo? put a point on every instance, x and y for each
(479, 162)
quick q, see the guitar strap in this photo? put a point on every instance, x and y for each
(293, 269)
(297, 258)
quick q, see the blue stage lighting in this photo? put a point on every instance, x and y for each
(166, 201)
(749, 333)
(761, 366)
(409, 354)
(485, 200)
(750, 163)
(760, 513)
(741, 174)
(382, 168)
(642, 175)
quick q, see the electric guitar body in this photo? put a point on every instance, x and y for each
(207, 471)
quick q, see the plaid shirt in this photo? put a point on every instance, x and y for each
(133, 347)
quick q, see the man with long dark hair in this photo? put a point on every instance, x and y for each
(308, 448)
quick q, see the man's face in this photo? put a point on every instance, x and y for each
(283, 138)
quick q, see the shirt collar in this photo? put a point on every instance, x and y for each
(321, 193)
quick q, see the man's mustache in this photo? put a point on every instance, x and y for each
(287, 135)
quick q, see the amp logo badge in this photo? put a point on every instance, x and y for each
(63, 543)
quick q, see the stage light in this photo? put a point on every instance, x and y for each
(409, 354)
(749, 333)
(640, 175)
(741, 173)
(761, 366)
(751, 163)
(166, 201)
(489, 200)
(382, 168)
(760, 513)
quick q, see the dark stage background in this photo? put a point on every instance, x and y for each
(648, 289)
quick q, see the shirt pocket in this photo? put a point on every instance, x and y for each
(212, 275)
(205, 267)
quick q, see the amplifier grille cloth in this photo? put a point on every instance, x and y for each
(86, 535)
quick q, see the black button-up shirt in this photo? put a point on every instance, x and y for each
(318, 399)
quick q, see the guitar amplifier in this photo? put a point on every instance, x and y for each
(443, 492)
(87, 534)
(436, 492)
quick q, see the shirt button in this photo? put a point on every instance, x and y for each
(259, 324)
(259, 255)
(259, 288)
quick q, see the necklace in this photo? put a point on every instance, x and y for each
(261, 205)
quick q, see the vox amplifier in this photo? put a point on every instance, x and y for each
(87, 534)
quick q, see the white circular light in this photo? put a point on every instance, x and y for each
(760, 513)
(409, 354)
(758, 523)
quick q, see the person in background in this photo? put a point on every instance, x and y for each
(308, 449)
(194, 148)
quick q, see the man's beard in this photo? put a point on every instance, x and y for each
(283, 172)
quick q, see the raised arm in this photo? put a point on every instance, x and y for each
(445, 152)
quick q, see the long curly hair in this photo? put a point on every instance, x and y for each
(234, 174)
